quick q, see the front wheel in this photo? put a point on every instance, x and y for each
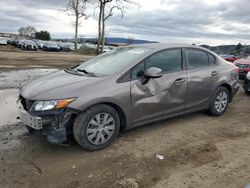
(219, 102)
(97, 127)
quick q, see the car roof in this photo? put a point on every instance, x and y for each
(159, 46)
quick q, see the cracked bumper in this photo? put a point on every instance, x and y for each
(55, 125)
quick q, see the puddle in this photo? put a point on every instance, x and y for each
(8, 96)
(8, 107)
(16, 79)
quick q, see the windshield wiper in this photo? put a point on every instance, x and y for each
(86, 72)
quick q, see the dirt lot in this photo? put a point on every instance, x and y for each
(14, 58)
(199, 151)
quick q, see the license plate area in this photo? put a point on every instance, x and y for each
(27, 119)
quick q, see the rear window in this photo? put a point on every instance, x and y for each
(197, 58)
(212, 59)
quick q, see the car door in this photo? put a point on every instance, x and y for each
(159, 97)
(203, 75)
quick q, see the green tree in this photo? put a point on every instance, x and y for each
(238, 48)
(42, 35)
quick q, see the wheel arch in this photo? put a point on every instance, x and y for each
(123, 119)
(120, 111)
(229, 88)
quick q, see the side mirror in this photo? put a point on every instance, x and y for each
(153, 72)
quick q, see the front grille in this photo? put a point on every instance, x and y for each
(243, 66)
(27, 104)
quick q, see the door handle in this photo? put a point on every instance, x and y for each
(179, 81)
(215, 73)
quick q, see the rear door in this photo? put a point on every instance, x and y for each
(164, 96)
(203, 75)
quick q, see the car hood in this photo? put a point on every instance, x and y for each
(58, 85)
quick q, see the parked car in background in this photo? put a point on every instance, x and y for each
(94, 46)
(19, 43)
(106, 48)
(229, 57)
(3, 41)
(66, 47)
(246, 85)
(244, 66)
(11, 41)
(125, 88)
(88, 46)
(51, 46)
(39, 43)
(29, 45)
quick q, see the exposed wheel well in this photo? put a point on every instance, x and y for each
(229, 90)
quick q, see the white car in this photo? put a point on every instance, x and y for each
(29, 45)
(3, 41)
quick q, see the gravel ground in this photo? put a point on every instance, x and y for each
(18, 59)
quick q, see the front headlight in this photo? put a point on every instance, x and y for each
(51, 105)
(248, 76)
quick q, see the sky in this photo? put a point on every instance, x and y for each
(212, 22)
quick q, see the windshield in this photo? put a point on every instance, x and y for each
(113, 61)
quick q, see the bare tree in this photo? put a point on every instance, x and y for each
(77, 8)
(27, 31)
(106, 10)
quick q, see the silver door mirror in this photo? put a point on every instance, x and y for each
(153, 72)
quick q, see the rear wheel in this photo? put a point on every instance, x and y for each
(247, 92)
(97, 127)
(219, 102)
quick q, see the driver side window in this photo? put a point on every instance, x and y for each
(168, 60)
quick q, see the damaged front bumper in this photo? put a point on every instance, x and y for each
(56, 125)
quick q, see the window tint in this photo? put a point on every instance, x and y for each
(168, 61)
(197, 58)
(124, 78)
(137, 71)
(212, 59)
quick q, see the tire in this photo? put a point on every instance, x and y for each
(247, 92)
(92, 134)
(219, 102)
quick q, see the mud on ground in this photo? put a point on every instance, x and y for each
(199, 151)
